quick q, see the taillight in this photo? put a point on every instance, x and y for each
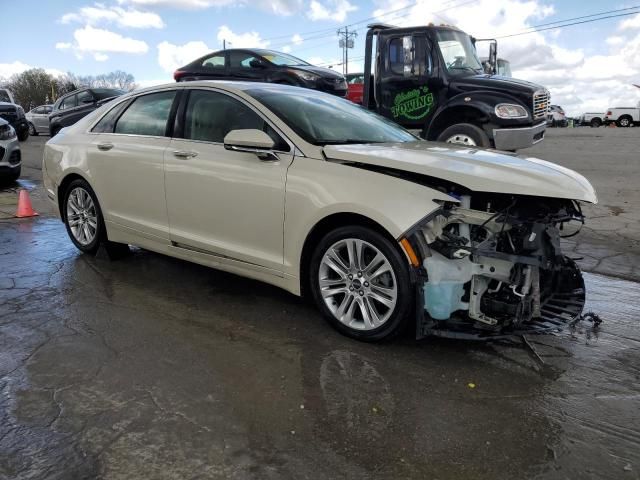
(609, 113)
(178, 74)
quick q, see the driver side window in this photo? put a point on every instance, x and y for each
(409, 56)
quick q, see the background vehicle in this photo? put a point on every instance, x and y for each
(71, 107)
(429, 78)
(38, 119)
(10, 159)
(13, 114)
(503, 67)
(355, 87)
(622, 116)
(257, 65)
(556, 117)
(367, 220)
(592, 119)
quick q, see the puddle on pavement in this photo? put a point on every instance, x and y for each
(149, 351)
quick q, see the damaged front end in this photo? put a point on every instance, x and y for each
(492, 266)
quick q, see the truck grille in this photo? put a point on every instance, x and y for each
(541, 100)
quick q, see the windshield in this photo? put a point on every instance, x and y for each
(281, 59)
(323, 119)
(458, 52)
(102, 93)
(4, 96)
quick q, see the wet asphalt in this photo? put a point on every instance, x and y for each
(151, 367)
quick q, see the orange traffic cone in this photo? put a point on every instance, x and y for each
(24, 205)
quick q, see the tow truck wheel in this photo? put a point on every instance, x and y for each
(465, 134)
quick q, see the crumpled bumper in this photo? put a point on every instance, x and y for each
(517, 138)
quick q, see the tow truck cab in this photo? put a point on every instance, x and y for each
(429, 78)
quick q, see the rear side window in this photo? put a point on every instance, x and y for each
(147, 115)
(242, 59)
(85, 97)
(211, 115)
(108, 122)
(215, 61)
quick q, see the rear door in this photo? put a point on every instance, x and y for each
(126, 163)
(229, 204)
(407, 93)
(41, 119)
(213, 67)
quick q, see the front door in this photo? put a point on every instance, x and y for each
(246, 66)
(225, 203)
(408, 93)
(126, 164)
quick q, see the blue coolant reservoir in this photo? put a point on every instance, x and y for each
(445, 286)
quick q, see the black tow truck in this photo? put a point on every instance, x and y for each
(429, 78)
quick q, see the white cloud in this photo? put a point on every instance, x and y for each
(286, 49)
(101, 57)
(336, 10)
(278, 7)
(9, 69)
(130, 17)
(171, 57)
(153, 82)
(97, 41)
(578, 81)
(630, 23)
(241, 40)
(296, 39)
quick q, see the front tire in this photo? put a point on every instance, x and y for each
(465, 134)
(23, 134)
(360, 282)
(32, 130)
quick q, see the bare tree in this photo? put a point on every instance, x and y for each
(32, 88)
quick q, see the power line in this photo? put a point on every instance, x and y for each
(536, 28)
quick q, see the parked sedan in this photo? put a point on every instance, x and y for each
(71, 107)
(259, 65)
(38, 119)
(321, 197)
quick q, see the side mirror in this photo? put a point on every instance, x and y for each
(255, 63)
(493, 57)
(251, 141)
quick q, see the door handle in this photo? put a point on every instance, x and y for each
(184, 154)
(105, 146)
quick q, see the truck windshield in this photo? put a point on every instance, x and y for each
(323, 119)
(458, 52)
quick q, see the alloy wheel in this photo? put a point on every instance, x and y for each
(358, 284)
(82, 216)
(461, 139)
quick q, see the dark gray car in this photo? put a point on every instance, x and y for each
(71, 107)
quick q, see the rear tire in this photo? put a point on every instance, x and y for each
(368, 296)
(32, 130)
(23, 134)
(83, 219)
(54, 131)
(624, 121)
(595, 122)
(465, 134)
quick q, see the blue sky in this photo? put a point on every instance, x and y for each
(149, 38)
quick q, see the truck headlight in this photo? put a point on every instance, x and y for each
(7, 133)
(509, 110)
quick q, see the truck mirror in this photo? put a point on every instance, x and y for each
(493, 58)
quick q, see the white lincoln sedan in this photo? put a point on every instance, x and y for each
(321, 197)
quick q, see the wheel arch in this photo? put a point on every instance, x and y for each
(62, 188)
(456, 114)
(326, 225)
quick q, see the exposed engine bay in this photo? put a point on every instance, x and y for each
(493, 265)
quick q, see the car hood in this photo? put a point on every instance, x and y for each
(323, 72)
(495, 82)
(476, 169)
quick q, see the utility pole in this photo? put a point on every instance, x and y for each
(346, 42)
